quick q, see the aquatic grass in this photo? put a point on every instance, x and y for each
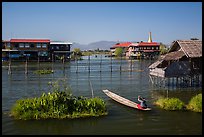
(43, 71)
(195, 104)
(170, 104)
(58, 104)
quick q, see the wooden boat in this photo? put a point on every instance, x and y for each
(123, 100)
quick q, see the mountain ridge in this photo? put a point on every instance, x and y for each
(101, 45)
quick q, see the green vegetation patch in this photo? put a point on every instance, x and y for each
(170, 103)
(43, 71)
(58, 105)
(195, 104)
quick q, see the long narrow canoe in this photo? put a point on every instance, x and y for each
(123, 100)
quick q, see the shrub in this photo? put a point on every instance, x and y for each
(195, 104)
(170, 103)
(58, 104)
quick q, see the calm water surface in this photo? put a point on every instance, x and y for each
(120, 120)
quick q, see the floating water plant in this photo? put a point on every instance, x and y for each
(58, 104)
(170, 103)
(195, 104)
(43, 71)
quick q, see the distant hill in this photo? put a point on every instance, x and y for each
(102, 45)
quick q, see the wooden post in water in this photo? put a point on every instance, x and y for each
(38, 62)
(100, 63)
(131, 63)
(92, 95)
(120, 63)
(63, 59)
(9, 67)
(89, 63)
(63, 62)
(167, 93)
(52, 62)
(9, 64)
(26, 66)
(76, 64)
(111, 61)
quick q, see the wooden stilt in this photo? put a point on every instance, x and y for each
(9, 67)
(111, 61)
(100, 63)
(89, 63)
(26, 66)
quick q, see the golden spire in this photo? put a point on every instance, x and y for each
(150, 37)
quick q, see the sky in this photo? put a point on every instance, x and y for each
(87, 22)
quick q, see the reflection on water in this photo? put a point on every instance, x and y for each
(131, 81)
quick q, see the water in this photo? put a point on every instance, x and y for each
(121, 120)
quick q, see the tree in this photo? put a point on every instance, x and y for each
(118, 52)
(194, 39)
(163, 49)
(76, 54)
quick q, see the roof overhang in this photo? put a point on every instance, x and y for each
(60, 43)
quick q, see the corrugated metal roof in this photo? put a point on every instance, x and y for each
(148, 44)
(134, 44)
(30, 40)
(124, 44)
(191, 48)
(60, 42)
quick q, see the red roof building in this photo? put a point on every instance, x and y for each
(148, 44)
(122, 45)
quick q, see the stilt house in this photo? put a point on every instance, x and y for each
(183, 60)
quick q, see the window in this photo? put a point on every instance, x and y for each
(32, 45)
(8, 45)
(16, 45)
(21, 45)
(38, 45)
(27, 45)
(44, 45)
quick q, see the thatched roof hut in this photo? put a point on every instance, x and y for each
(183, 58)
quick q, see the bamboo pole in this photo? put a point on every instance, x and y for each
(111, 61)
(120, 63)
(92, 95)
(100, 63)
(89, 63)
(131, 64)
(76, 64)
(26, 66)
(9, 67)
(52, 62)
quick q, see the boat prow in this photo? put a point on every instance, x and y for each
(123, 100)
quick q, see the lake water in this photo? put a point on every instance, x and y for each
(121, 120)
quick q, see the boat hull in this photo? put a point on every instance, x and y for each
(123, 100)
